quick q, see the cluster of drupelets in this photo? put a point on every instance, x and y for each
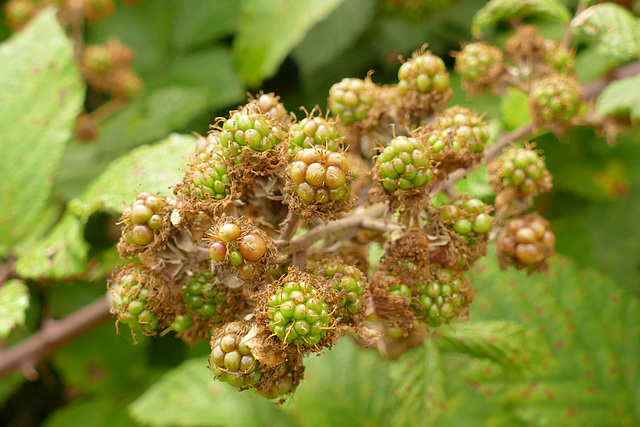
(242, 254)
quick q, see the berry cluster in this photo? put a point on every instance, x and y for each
(467, 217)
(131, 300)
(319, 176)
(231, 360)
(424, 73)
(479, 64)
(207, 172)
(524, 170)
(351, 99)
(297, 314)
(440, 299)
(314, 132)
(555, 101)
(525, 242)
(143, 219)
(404, 165)
(348, 281)
(242, 249)
(252, 130)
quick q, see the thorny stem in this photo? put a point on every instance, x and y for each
(53, 335)
(290, 226)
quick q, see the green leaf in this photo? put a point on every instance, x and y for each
(515, 109)
(14, 301)
(91, 413)
(152, 168)
(503, 10)
(198, 23)
(418, 381)
(269, 29)
(505, 343)
(476, 183)
(189, 396)
(60, 254)
(590, 375)
(332, 36)
(346, 386)
(41, 94)
(617, 30)
(621, 97)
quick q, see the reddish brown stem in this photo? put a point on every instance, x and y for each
(31, 352)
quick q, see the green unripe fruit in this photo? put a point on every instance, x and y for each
(231, 360)
(228, 232)
(351, 99)
(463, 226)
(235, 258)
(404, 165)
(319, 175)
(440, 299)
(482, 224)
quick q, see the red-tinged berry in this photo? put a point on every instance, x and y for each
(218, 251)
(525, 242)
(252, 247)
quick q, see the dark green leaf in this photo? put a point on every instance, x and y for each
(616, 29)
(332, 36)
(91, 413)
(14, 301)
(268, 30)
(621, 97)
(189, 396)
(418, 381)
(40, 96)
(590, 376)
(503, 10)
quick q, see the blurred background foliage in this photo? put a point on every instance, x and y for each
(566, 351)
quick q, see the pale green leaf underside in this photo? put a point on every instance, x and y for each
(153, 168)
(269, 29)
(14, 301)
(41, 93)
(503, 10)
(616, 29)
(621, 97)
(188, 396)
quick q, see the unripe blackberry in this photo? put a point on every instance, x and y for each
(97, 59)
(320, 176)
(143, 219)
(248, 129)
(561, 60)
(442, 298)
(125, 84)
(423, 72)
(207, 173)
(522, 169)
(239, 245)
(94, 10)
(457, 139)
(467, 217)
(348, 281)
(297, 314)
(525, 242)
(19, 12)
(131, 300)
(404, 165)
(269, 105)
(351, 99)
(480, 65)
(400, 289)
(231, 360)
(555, 101)
(312, 132)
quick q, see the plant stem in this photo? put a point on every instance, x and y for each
(290, 226)
(53, 335)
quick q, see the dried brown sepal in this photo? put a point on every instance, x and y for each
(279, 382)
(525, 242)
(407, 200)
(273, 350)
(245, 259)
(526, 46)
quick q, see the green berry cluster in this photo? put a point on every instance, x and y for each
(563, 61)
(556, 98)
(440, 299)
(231, 360)
(240, 249)
(297, 315)
(466, 216)
(425, 73)
(247, 129)
(314, 131)
(458, 129)
(400, 289)
(351, 99)
(523, 169)
(526, 239)
(281, 384)
(320, 176)
(132, 305)
(404, 164)
(348, 281)
(479, 61)
(143, 219)
(208, 171)
(203, 300)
